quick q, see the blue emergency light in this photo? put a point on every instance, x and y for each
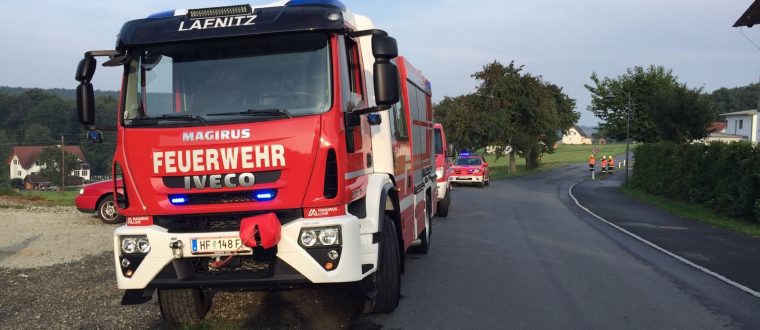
(178, 199)
(464, 154)
(264, 195)
(334, 3)
(163, 14)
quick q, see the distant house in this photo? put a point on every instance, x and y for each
(718, 133)
(740, 125)
(25, 161)
(575, 135)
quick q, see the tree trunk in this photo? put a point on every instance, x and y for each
(512, 162)
(531, 158)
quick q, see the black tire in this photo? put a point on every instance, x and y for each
(487, 180)
(186, 306)
(426, 234)
(443, 205)
(107, 211)
(387, 277)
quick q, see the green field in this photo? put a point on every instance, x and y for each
(46, 198)
(564, 155)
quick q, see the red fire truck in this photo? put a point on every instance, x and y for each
(265, 147)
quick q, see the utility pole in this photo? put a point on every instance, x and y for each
(63, 166)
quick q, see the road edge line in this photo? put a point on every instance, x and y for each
(658, 248)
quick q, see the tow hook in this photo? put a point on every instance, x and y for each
(176, 246)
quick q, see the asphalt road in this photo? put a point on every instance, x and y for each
(520, 254)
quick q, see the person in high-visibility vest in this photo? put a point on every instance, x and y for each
(591, 163)
(604, 164)
(610, 164)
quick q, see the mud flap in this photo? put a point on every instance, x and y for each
(137, 296)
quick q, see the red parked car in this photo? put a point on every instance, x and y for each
(98, 197)
(470, 168)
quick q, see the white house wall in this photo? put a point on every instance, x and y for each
(747, 128)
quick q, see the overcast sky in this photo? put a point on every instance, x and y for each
(564, 41)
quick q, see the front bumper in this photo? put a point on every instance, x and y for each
(293, 264)
(85, 203)
(466, 178)
(443, 189)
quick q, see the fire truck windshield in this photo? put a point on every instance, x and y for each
(223, 81)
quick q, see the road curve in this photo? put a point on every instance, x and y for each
(521, 254)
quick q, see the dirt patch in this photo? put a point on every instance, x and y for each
(35, 236)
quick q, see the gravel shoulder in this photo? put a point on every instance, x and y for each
(57, 270)
(36, 236)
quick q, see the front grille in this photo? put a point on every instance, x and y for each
(220, 198)
(217, 222)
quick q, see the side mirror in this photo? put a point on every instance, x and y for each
(86, 103)
(85, 93)
(385, 48)
(386, 83)
(85, 69)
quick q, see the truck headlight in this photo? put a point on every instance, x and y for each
(320, 237)
(328, 236)
(308, 238)
(135, 245)
(81, 191)
(143, 245)
(439, 172)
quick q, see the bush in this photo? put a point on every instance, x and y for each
(725, 177)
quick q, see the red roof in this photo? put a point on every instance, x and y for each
(29, 154)
(718, 126)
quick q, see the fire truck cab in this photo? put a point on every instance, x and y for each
(265, 147)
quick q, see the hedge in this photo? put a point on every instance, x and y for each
(724, 177)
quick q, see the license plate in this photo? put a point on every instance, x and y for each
(217, 246)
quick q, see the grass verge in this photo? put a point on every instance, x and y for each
(42, 198)
(694, 212)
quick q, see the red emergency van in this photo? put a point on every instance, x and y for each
(442, 169)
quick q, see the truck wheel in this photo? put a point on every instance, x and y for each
(424, 246)
(107, 211)
(443, 205)
(487, 180)
(184, 305)
(387, 277)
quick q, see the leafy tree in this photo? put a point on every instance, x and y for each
(736, 99)
(526, 112)
(663, 109)
(463, 119)
(51, 158)
(6, 146)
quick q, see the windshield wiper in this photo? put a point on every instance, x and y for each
(256, 112)
(176, 117)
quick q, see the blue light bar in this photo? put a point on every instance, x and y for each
(178, 199)
(465, 154)
(264, 195)
(334, 3)
(163, 14)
